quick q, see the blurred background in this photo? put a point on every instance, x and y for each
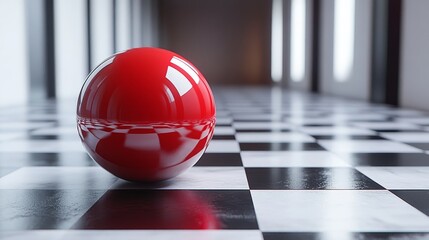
(373, 50)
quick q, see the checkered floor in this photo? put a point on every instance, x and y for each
(281, 165)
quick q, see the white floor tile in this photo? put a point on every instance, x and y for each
(291, 159)
(335, 210)
(335, 131)
(273, 137)
(45, 146)
(415, 120)
(11, 135)
(409, 137)
(399, 177)
(58, 178)
(359, 116)
(366, 146)
(262, 125)
(199, 178)
(403, 112)
(386, 125)
(224, 131)
(16, 126)
(33, 235)
(322, 120)
(56, 131)
(133, 234)
(223, 146)
(223, 120)
(254, 117)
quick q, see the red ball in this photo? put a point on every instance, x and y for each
(146, 114)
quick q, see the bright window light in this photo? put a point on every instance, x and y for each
(344, 35)
(123, 34)
(13, 50)
(101, 31)
(277, 41)
(297, 43)
(71, 64)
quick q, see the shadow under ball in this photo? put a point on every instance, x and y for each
(146, 114)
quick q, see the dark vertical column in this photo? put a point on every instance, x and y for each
(315, 46)
(115, 27)
(393, 53)
(88, 28)
(386, 35)
(50, 49)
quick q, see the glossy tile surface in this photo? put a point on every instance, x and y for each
(178, 209)
(221, 159)
(133, 234)
(281, 165)
(280, 146)
(366, 146)
(416, 198)
(308, 179)
(330, 210)
(398, 177)
(387, 159)
(44, 209)
(198, 178)
(291, 159)
(345, 235)
(58, 178)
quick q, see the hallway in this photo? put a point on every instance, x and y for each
(281, 165)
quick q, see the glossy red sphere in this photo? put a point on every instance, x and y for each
(146, 114)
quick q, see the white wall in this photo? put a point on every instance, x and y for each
(123, 25)
(149, 23)
(144, 23)
(101, 31)
(414, 72)
(36, 54)
(305, 82)
(358, 83)
(71, 58)
(136, 31)
(13, 53)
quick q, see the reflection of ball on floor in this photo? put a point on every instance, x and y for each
(146, 114)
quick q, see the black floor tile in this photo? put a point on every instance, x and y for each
(308, 178)
(171, 209)
(220, 159)
(45, 159)
(345, 236)
(281, 147)
(252, 120)
(291, 236)
(423, 146)
(416, 198)
(318, 125)
(387, 159)
(223, 137)
(44, 209)
(51, 137)
(262, 130)
(372, 121)
(223, 125)
(347, 137)
(396, 130)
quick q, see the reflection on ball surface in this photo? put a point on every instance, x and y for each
(146, 114)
